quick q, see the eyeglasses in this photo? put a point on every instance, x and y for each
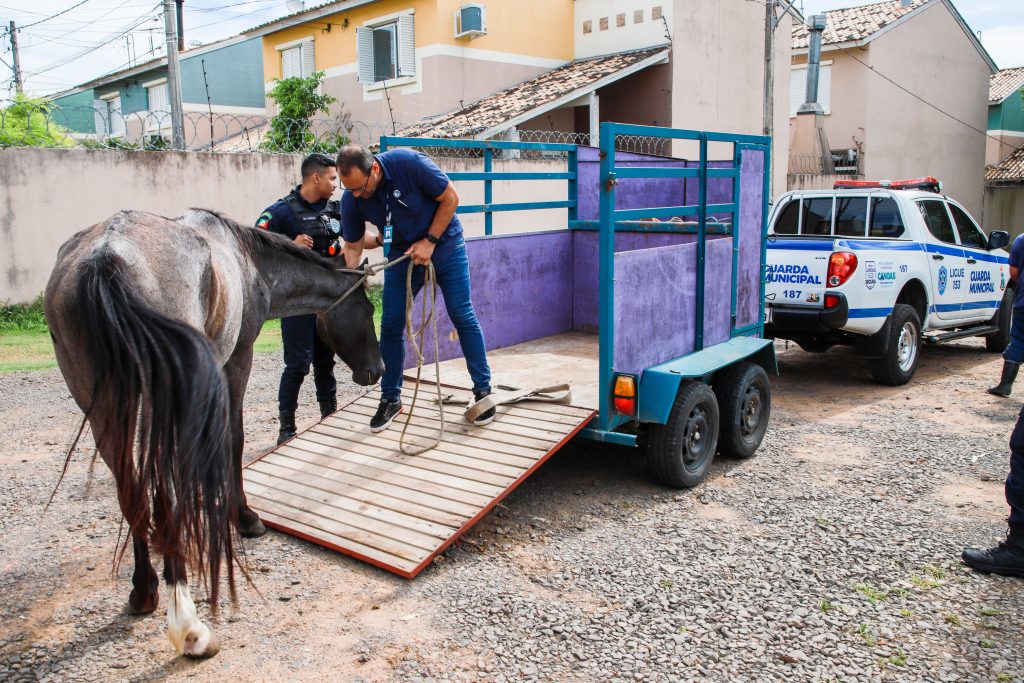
(361, 190)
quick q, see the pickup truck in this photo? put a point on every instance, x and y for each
(884, 266)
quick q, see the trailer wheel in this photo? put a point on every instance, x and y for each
(898, 364)
(745, 403)
(998, 341)
(681, 450)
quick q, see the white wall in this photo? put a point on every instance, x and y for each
(633, 35)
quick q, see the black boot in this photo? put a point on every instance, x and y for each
(287, 426)
(1006, 381)
(328, 408)
(1007, 558)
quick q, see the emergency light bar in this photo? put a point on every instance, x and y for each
(927, 183)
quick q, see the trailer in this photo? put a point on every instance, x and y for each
(649, 303)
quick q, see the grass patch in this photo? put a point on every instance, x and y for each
(23, 351)
(870, 592)
(23, 317)
(953, 620)
(989, 611)
(898, 659)
(825, 605)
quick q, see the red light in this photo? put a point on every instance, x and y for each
(831, 301)
(626, 406)
(624, 394)
(854, 184)
(926, 183)
(840, 267)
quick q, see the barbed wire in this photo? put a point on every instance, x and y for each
(809, 163)
(46, 125)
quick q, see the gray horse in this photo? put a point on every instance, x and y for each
(153, 323)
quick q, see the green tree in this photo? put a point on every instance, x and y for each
(298, 100)
(28, 122)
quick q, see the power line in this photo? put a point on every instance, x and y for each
(915, 95)
(54, 16)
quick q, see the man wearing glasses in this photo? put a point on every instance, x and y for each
(412, 202)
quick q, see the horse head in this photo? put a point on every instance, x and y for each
(347, 327)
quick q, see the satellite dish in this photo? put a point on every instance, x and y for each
(295, 5)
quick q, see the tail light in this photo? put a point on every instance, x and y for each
(624, 395)
(840, 267)
(831, 301)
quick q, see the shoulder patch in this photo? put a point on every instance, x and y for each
(264, 220)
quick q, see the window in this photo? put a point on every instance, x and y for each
(851, 216)
(789, 218)
(798, 87)
(885, 218)
(970, 234)
(108, 119)
(298, 61)
(157, 99)
(937, 220)
(386, 50)
(817, 216)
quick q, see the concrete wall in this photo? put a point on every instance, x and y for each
(34, 223)
(845, 123)
(1000, 145)
(718, 74)
(1004, 209)
(932, 56)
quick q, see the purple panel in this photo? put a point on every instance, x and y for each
(585, 268)
(717, 291)
(522, 290)
(655, 298)
(748, 235)
(719, 190)
(630, 193)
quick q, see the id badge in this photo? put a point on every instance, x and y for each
(387, 239)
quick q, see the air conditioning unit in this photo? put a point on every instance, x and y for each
(471, 21)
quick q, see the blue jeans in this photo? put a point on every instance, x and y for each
(302, 346)
(452, 270)
(1015, 349)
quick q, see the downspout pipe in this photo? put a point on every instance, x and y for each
(180, 16)
(816, 25)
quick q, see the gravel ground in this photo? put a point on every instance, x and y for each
(833, 555)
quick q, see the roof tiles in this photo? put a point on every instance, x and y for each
(498, 108)
(1010, 170)
(856, 23)
(1003, 83)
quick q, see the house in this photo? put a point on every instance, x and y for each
(1004, 194)
(221, 92)
(484, 69)
(903, 85)
(1005, 114)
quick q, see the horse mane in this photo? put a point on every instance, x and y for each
(255, 241)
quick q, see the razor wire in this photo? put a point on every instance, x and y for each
(85, 127)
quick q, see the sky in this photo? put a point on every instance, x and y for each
(95, 37)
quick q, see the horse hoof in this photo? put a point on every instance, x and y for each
(138, 608)
(198, 649)
(253, 528)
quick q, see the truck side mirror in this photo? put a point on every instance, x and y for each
(997, 239)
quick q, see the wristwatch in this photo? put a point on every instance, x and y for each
(432, 239)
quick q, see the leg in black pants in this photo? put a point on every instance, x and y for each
(302, 347)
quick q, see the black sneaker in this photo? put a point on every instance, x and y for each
(488, 415)
(1005, 559)
(386, 412)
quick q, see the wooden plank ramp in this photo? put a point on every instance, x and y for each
(339, 485)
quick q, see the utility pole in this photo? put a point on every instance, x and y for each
(769, 67)
(180, 13)
(173, 77)
(18, 84)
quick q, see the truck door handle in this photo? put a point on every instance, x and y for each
(972, 260)
(938, 257)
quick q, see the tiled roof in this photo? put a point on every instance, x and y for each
(1009, 170)
(495, 109)
(856, 23)
(306, 10)
(1002, 84)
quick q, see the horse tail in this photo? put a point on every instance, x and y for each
(164, 422)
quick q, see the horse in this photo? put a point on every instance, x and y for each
(153, 322)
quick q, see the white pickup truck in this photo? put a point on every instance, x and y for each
(884, 266)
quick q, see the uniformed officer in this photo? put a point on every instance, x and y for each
(310, 218)
(1007, 558)
(412, 202)
(1013, 355)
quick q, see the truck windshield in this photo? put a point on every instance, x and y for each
(885, 218)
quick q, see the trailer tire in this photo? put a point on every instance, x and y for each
(998, 341)
(744, 405)
(681, 450)
(903, 351)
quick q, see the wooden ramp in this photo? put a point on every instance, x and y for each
(345, 488)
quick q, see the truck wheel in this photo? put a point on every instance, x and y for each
(744, 404)
(681, 450)
(898, 364)
(998, 341)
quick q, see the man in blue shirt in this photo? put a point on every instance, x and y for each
(412, 202)
(309, 218)
(1007, 558)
